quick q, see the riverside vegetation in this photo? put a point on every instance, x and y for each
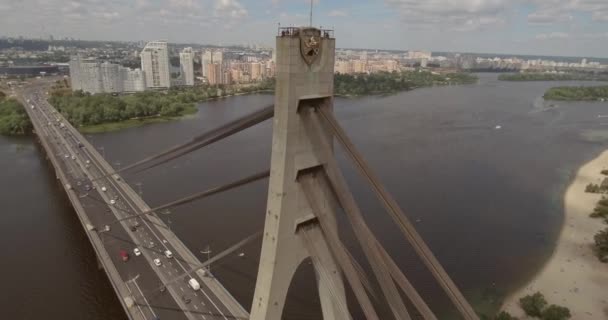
(600, 212)
(598, 93)
(107, 112)
(13, 118)
(535, 306)
(543, 76)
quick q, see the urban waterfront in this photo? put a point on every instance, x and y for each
(480, 169)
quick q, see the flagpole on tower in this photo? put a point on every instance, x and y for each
(311, 1)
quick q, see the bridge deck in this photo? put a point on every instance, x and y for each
(139, 278)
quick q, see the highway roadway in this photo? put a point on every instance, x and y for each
(160, 291)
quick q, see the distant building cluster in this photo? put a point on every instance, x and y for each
(156, 73)
(92, 76)
(361, 61)
(217, 70)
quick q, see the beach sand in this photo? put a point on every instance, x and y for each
(573, 277)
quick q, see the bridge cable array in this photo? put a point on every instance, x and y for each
(200, 141)
(398, 217)
(199, 195)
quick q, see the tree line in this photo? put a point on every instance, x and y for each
(85, 109)
(597, 93)
(544, 76)
(392, 82)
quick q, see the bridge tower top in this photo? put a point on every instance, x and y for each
(304, 75)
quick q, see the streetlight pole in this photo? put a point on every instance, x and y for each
(208, 253)
(139, 184)
(103, 151)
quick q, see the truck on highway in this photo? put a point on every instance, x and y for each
(193, 284)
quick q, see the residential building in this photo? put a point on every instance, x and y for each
(214, 71)
(206, 59)
(155, 64)
(92, 76)
(186, 64)
(132, 80)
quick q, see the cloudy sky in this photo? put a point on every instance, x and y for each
(552, 27)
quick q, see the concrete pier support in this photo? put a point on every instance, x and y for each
(305, 71)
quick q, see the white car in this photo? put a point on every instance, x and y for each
(88, 161)
(112, 201)
(104, 189)
(157, 262)
(67, 155)
(73, 158)
(168, 254)
(137, 252)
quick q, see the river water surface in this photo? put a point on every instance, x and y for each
(480, 169)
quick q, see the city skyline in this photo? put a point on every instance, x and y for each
(531, 27)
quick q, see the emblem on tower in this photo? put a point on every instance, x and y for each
(310, 44)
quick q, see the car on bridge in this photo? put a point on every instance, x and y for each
(168, 254)
(124, 255)
(137, 252)
(157, 262)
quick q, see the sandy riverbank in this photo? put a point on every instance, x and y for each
(573, 277)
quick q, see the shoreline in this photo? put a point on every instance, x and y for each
(573, 276)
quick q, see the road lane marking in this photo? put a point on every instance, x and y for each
(182, 289)
(146, 300)
(196, 307)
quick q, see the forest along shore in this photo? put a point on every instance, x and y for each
(574, 277)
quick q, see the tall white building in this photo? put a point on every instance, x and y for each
(186, 65)
(85, 75)
(206, 59)
(218, 57)
(132, 80)
(110, 77)
(155, 64)
(94, 77)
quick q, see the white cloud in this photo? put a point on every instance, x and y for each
(559, 11)
(230, 9)
(338, 13)
(458, 14)
(552, 35)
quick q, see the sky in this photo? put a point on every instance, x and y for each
(542, 27)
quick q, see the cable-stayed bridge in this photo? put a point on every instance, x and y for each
(307, 192)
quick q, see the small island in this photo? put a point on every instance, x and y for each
(13, 118)
(545, 76)
(597, 93)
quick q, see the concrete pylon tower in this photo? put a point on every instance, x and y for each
(304, 74)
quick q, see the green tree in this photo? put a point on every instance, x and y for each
(503, 315)
(533, 305)
(554, 312)
(601, 245)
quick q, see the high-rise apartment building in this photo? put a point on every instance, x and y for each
(91, 76)
(110, 77)
(155, 64)
(132, 80)
(186, 64)
(214, 71)
(206, 59)
(256, 71)
(218, 57)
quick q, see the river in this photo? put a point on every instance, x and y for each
(480, 169)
